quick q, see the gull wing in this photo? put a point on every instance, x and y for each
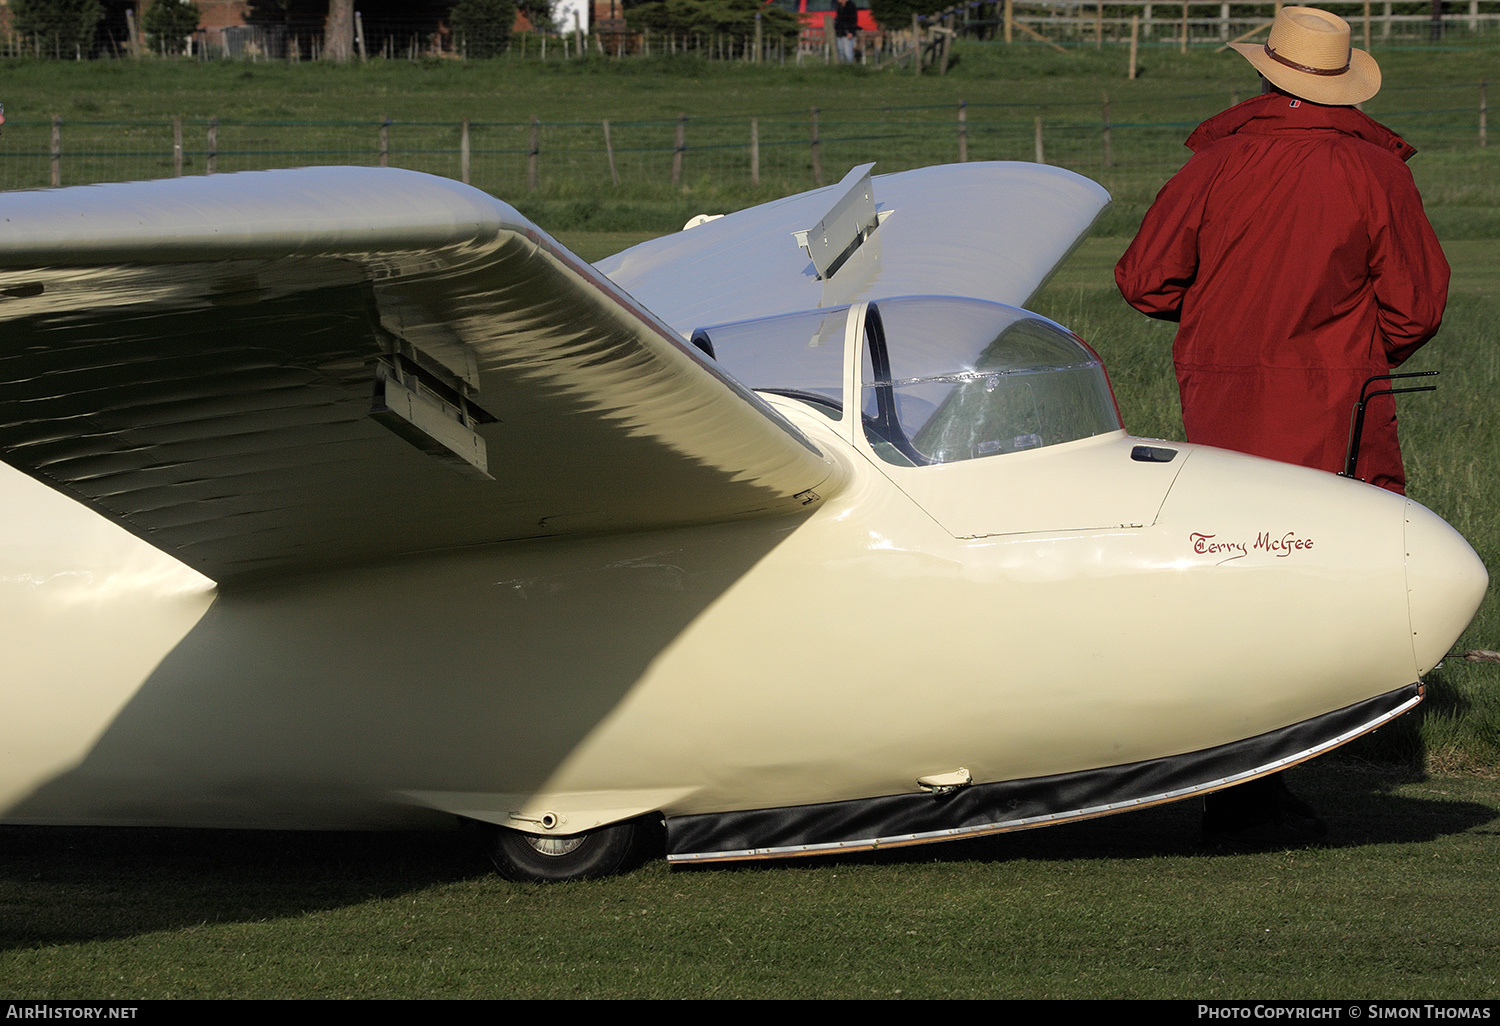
(266, 372)
(993, 230)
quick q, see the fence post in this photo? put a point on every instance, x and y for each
(1135, 39)
(963, 131)
(533, 151)
(1367, 25)
(916, 42)
(757, 37)
(1109, 156)
(677, 148)
(56, 150)
(1041, 157)
(211, 162)
(1184, 25)
(1484, 114)
(1437, 20)
(609, 151)
(1010, 18)
(1099, 25)
(359, 36)
(177, 146)
(754, 151)
(817, 157)
(463, 153)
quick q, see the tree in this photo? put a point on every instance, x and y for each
(732, 17)
(481, 28)
(301, 15)
(538, 12)
(57, 27)
(896, 14)
(338, 31)
(168, 23)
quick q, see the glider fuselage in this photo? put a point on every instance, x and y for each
(839, 654)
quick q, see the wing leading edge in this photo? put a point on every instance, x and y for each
(273, 371)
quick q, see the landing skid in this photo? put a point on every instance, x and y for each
(906, 819)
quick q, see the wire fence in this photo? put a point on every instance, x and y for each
(1092, 22)
(781, 152)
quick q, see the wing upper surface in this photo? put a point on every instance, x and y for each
(271, 371)
(992, 230)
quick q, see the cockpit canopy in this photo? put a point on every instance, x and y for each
(942, 379)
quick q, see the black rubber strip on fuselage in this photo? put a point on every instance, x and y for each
(1019, 804)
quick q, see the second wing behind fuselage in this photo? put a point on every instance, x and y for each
(994, 230)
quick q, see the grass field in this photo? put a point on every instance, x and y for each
(115, 123)
(1404, 902)
(663, 87)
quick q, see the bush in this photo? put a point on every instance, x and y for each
(168, 23)
(481, 28)
(59, 27)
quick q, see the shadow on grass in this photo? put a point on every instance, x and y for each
(61, 885)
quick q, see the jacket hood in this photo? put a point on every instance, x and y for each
(1277, 112)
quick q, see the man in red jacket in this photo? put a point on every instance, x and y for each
(1294, 252)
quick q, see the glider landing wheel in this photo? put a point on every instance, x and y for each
(540, 859)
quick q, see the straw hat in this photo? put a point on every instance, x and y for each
(1308, 55)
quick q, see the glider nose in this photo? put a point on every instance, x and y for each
(1445, 582)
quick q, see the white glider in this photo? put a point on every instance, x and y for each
(346, 497)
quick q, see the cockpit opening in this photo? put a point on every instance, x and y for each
(799, 355)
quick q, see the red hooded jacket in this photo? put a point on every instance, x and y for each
(1294, 251)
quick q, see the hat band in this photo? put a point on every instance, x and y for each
(1303, 67)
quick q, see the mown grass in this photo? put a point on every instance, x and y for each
(1405, 904)
(885, 115)
(663, 87)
